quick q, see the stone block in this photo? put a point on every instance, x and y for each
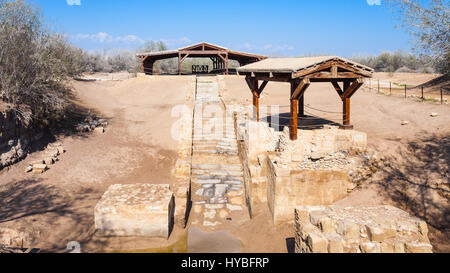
(370, 247)
(317, 243)
(60, 150)
(49, 161)
(135, 210)
(39, 168)
(387, 247)
(418, 248)
(99, 130)
(350, 230)
(335, 245)
(377, 229)
(380, 234)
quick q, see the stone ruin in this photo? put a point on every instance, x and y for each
(378, 229)
(136, 210)
(52, 152)
(300, 179)
(297, 179)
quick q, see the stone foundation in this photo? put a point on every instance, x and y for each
(14, 239)
(288, 188)
(135, 210)
(381, 229)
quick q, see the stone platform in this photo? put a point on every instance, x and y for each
(378, 229)
(135, 210)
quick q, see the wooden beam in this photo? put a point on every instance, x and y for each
(300, 88)
(251, 84)
(354, 69)
(313, 69)
(334, 71)
(201, 52)
(301, 106)
(337, 88)
(334, 67)
(348, 93)
(269, 76)
(329, 75)
(184, 58)
(261, 88)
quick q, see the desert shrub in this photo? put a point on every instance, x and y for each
(124, 60)
(404, 69)
(396, 62)
(34, 63)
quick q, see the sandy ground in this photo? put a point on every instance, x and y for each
(415, 173)
(58, 206)
(393, 84)
(404, 78)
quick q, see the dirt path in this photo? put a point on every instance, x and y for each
(57, 206)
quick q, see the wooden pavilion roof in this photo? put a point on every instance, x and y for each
(312, 67)
(202, 49)
(346, 77)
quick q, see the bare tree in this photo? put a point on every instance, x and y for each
(428, 21)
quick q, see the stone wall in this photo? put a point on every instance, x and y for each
(317, 144)
(287, 188)
(14, 139)
(380, 229)
(182, 172)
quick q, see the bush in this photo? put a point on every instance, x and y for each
(34, 63)
(395, 62)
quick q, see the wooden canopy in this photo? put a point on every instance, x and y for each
(346, 77)
(220, 57)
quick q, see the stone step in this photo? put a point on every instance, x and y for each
(217, 166)
(236, 176)
(218, 152)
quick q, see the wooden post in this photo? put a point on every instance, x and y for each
(227, 65)
(256, 105)
(293, 129)
(442, 97)
(346, 108)
(301, 106)
(294, 120)
(142, 64)
(346, 111)
(423, 98)
(179, 63)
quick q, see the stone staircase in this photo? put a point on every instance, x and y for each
(217, 175)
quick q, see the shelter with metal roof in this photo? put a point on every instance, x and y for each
(220, 56)
(346, 77)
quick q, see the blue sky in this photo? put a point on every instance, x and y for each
(279, 28)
